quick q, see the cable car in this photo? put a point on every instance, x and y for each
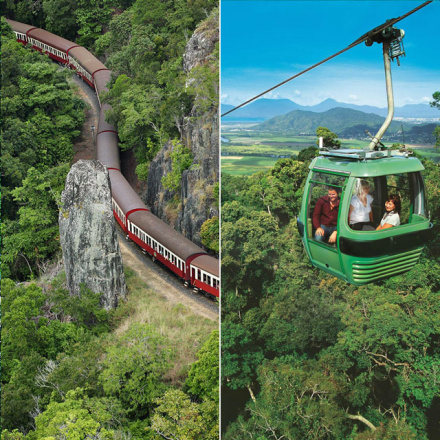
(361, 256)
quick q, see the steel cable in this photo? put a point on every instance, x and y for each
(360, 40)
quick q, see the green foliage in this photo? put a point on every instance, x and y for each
(203, 376)
(32, 239)
(61, 18)
(181, 160)
(325, 360)
(76, 417)
(178, 418)
(330, 139)
(133, 368)
(41, 118)
(240, 355)
(209, 233)
(436, 100)
(91, 17)
(307, 154)
(41, 346)
(145, 46)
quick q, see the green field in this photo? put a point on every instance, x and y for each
(247, 165)
(430, 153)
(248, 152)
(264, 144)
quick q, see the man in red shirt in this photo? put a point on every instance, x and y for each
(325, 216)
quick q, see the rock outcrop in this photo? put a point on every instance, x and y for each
(200, 133)
(88, 237)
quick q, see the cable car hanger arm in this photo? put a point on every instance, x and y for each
(367, 36)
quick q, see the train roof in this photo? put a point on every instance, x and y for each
(101, 80)
(375, 164)
(52, 40)
(87, 60)
(165, 234)
(124, 195)
(103, 125)
(108, 150)
(20, 27)
(207, 263)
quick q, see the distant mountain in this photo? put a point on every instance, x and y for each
(343, 121)
(268, 108)
(416, 111)
(226, 107)
(329, 103)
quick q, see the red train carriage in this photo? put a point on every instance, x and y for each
(56, 47)
(157, 238)
(85, 64)
(21, 30)
(204, 274)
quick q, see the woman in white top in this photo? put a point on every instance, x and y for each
(392, 213)
(360, 214)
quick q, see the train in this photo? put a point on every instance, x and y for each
(188, 261)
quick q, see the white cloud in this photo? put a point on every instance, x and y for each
(353, 97)
(426, 99)
(297, 93)
(224, 97)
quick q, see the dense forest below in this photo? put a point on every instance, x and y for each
(306, 355)
(69, 368)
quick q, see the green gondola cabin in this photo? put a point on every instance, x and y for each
(363, 256)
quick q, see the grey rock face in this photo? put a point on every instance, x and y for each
(88, 237)
(200, 133)
(157, 196)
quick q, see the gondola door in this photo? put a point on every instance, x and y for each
(324, 207)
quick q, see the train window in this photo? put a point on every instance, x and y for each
(199, 275)
(208, 280)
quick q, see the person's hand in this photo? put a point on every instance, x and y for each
(320, 231)
(332, 238)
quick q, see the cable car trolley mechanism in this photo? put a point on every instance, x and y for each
(363, 215)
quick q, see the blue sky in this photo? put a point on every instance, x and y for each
(266, 42)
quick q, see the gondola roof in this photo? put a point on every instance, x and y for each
(378, 165)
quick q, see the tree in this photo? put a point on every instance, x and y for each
(330, 139)
(31, 240)
(61, 18)
(436, 103)
(240, 357)
(133, 368)
(177, 418)
(181, 160)
(202, 379)
(77, 416)
(209, 233)
(307, 153)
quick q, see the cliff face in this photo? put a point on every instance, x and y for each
(88, 237)
(200, 133)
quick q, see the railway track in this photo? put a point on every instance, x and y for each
(158, 278)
